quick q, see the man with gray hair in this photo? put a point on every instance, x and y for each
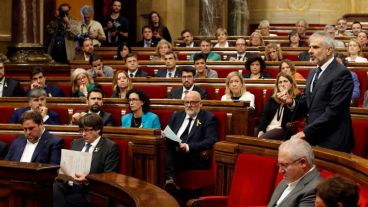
(90, 28)
(301, 26)
(330, 30)
(37, 102)
(300, 176)
(326, 99)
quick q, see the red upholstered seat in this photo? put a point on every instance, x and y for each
(246, 177)
(211, 92)
(154, 91)
(123, 152)
(63, 115)
(6, 113)
(66, 88)
(164, 115)
(107, 90)
(7, 138)
(116, 113)
(360, 129)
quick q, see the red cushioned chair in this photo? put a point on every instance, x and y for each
(154, 91)
(252, 183)
(63, 115)
(6, 113)
(360, 129)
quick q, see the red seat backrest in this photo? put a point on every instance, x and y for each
(63, 115)
(66, 88)
(154, 91)
(221, 117)
(107, 90)
(258, 100)
(164, 115)
(360, 129)
(250, 171)
(116, 113)
(6, 113)
(123, 152)
(7, 138)
(210, 91)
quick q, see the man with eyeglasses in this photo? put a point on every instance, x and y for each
(187, 77)
(241, 54)
(37, 102)
(95, 103)
(105, 158)
(37, 144)
(300, 175)
(198, 130)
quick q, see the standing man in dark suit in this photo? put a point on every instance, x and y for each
(38, 80)
(327, 99)
(37, 102)
(131, 62)
(37, 144)
(148, 39)
(187, 78)
(3, 150)
(8, 86)
(171, 70)
(197, 129)
(300, 175)
(105, 158)
(95, 103)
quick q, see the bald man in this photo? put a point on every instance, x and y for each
(198, 130)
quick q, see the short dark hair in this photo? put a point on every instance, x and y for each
(205, 40)
(338, 189)
(172, 53)
(120, 48)
(254, 58)
(93, 57)
(64, 4)
(36, 70)
(91, 120)
(31, 115)
(357, 22)
(142, 96)
(188, 69)
(146, 27)
(96, 90)
(185, 31)
(132, 54)
(199, 56)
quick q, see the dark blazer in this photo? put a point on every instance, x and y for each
(177, 92)
(328, 107)
(105, 157)
(163, 73)
(48, 149)
(269, 112)
(203, 134)
(3, 150)
(304, 193)
(107, 118)
(17, 114)
(153, 43)
(12, 88)
(52, 91)
(141, 73)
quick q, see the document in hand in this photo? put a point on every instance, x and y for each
(171, 135)
(75, 162)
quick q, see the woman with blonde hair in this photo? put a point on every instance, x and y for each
(221, 36)
(288, 67)
(256, 40)
(236, 90)
(81, 82)
(275, 115)
(355, 52)
(121, 83)
(273, 52)
(163, 46)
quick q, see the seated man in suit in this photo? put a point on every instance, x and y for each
(197, 129)
(8, 86)
(300, 175)
(37, 144)
(148, 39)
(171, 70)
(3, 150)
(98, 68)
(37, 102)
(206, 46)
(105, 158)
(131, 62)
(241, 54)
(95, 103)
(87, 50)
(187, 37)
(187, 78)
(38, 80)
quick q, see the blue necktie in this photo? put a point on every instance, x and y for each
(88, 145)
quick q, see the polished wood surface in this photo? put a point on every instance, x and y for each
(113, 188)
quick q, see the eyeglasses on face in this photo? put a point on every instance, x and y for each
(191, 102)
(284, 166)
(85, 130)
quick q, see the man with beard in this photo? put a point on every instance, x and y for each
(197, 129)
(37, 102)
(95, 102)
(86, 50)
(187, 77)
(116, 27)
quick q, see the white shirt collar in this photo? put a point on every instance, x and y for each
(326, 64)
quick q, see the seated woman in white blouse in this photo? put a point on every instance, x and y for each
(221, 35)
(355, 52)
(235, 89)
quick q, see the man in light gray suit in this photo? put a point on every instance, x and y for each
(300, 176)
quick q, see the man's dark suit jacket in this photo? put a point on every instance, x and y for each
(328, 107)
(107, 118)
(153, 43)
(17, 114)
(3, 150)
(12, 88)
(48, 149)
(162, 73)
(141, 73)
(178, 92)
(52, 91)
(304, 193)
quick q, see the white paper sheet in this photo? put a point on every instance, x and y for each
(171, 135)
(75, 162)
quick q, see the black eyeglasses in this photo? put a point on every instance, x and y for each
(191, 102)
(284, 166)
(85, 130)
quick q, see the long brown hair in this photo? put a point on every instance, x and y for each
(293, 91)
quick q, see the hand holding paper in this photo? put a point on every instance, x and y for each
(171, 135)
